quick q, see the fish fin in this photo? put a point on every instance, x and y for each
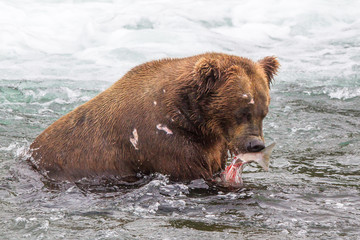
(265, 161)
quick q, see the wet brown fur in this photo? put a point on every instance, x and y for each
(201, 99)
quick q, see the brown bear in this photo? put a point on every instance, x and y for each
(179, 117)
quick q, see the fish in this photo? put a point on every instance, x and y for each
(232, 175)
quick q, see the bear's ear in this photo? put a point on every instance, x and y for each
(206, 73)
(270, 66)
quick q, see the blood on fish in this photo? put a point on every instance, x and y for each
(232, 175)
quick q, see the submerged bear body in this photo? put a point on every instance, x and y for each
(178, 117)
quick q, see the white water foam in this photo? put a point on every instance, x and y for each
(343, 93)
(101, 40)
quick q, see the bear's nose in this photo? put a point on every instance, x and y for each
(255, 145)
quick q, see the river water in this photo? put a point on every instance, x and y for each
(56, 55)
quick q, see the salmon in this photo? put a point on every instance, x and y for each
(232, 176)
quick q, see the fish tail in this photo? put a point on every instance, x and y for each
(265, 161)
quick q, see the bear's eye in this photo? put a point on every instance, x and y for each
(243, 115)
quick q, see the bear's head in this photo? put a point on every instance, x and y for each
(232, 97)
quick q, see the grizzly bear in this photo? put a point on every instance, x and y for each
(178, 117)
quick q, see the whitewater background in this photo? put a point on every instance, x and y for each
(56, 55)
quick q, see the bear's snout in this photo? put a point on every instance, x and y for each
(255, 145)
(244, 144)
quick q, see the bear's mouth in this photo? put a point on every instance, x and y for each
(232, 175)
(235, 152)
